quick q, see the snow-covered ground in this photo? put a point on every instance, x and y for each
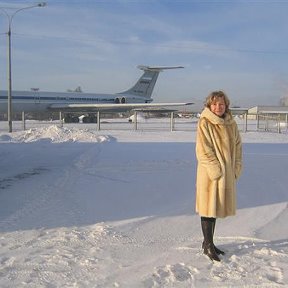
(81, 208)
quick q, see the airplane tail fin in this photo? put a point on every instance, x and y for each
(145, 85)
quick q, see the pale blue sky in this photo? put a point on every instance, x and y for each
(238, 46)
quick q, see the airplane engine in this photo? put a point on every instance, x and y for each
(120, 100)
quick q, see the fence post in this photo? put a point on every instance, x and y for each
(266, 123)
(245, 122)
(98, 121)
(279, 124)
(172, 121)
(23, 121)
(135, 120)
(60, 119)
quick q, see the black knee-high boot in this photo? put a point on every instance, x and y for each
(208, 245)
(217, 250)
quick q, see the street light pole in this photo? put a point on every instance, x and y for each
(10, 18)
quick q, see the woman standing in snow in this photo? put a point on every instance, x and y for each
(219, 155)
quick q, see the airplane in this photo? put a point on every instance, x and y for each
(137, 97)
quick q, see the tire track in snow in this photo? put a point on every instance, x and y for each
(53, 195)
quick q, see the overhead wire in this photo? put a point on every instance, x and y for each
(156, 45)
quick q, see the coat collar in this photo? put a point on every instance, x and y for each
(206, 113)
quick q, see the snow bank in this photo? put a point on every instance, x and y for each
(54, 134)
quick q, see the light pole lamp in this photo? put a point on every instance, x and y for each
(10, 17)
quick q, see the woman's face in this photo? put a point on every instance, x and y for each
(218, 106)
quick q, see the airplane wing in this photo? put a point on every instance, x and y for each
(113, 107)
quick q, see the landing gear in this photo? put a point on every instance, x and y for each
(71, 119)
(89, 119)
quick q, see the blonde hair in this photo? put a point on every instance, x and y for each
(214, 96)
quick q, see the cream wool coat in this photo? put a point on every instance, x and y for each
(219, 155)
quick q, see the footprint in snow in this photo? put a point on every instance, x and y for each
(169, 274)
